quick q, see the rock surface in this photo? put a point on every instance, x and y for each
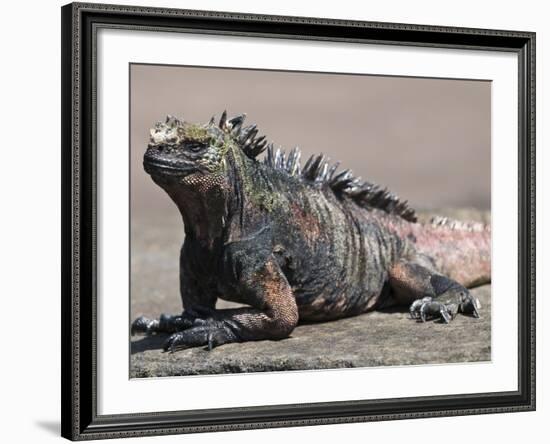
(373, 339)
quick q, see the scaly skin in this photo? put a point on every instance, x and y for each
(295, 244)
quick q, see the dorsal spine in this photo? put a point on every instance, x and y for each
(317, 170)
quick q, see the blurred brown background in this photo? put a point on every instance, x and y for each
(427, 140)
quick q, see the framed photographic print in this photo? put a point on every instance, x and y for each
(275, 221)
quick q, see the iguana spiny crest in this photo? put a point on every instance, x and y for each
(190, 146)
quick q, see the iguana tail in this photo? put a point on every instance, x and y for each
(461, 250)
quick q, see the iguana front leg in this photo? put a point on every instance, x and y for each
(198, 300)
(273, 314)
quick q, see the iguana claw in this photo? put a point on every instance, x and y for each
(210, 334)
(429, 308)
(144, 325)
(470, 305)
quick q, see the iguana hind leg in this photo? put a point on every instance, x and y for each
(429, 294)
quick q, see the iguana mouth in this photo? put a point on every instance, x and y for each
(164, 167)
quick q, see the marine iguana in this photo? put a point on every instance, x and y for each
(296, 243)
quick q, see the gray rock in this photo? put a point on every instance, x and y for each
(372, 339)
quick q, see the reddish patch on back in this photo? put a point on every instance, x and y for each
(306, 222)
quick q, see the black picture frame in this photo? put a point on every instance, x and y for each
(79, 396)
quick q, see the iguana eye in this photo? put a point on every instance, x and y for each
(195, 147)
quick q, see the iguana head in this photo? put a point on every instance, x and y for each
(179, 149)
(196, 164)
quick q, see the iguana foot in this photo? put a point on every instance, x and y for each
(188, 330)
(433, 295)
(165, 324)
(210, 333)
(144, 325)
(430, 308)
